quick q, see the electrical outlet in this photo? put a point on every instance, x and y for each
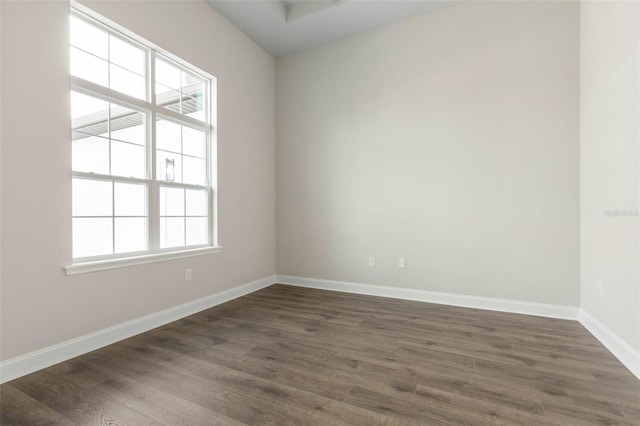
(402, 263)
(187, 274)
(372, 262)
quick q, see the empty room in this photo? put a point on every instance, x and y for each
(331, 212)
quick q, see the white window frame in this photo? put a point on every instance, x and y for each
(151, 111)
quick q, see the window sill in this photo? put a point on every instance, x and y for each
(102, 265)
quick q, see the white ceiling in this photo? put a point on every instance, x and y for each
(282, 27)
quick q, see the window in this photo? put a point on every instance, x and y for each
(142, 143)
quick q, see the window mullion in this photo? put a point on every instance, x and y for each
(113, 185)
(115, 178)
(153, 203)
(153, 196)
(212, 180)
(113, 216)
(210, 195)
(181, 119)
(154, 216)
(107, 94)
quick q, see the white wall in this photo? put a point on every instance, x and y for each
(40, 305)
(609, 158)
(450, 139)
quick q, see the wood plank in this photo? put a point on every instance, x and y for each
(18, 408)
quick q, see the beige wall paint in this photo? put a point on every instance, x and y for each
(40, 305)
(609, 158)
(451, 140)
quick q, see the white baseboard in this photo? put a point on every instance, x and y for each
(477, 302)
(43, 358)
(618, 347)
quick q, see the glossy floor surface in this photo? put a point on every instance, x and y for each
(288, 355)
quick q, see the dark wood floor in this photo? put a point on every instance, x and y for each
(288, 355)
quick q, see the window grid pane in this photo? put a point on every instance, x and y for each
(180, 90)
(127, 56)
(107, 60)
(111, 216)
(118, 146)
(130, 234)
(92, 237)
(89, 38)
(180, 153)
(89, 67)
